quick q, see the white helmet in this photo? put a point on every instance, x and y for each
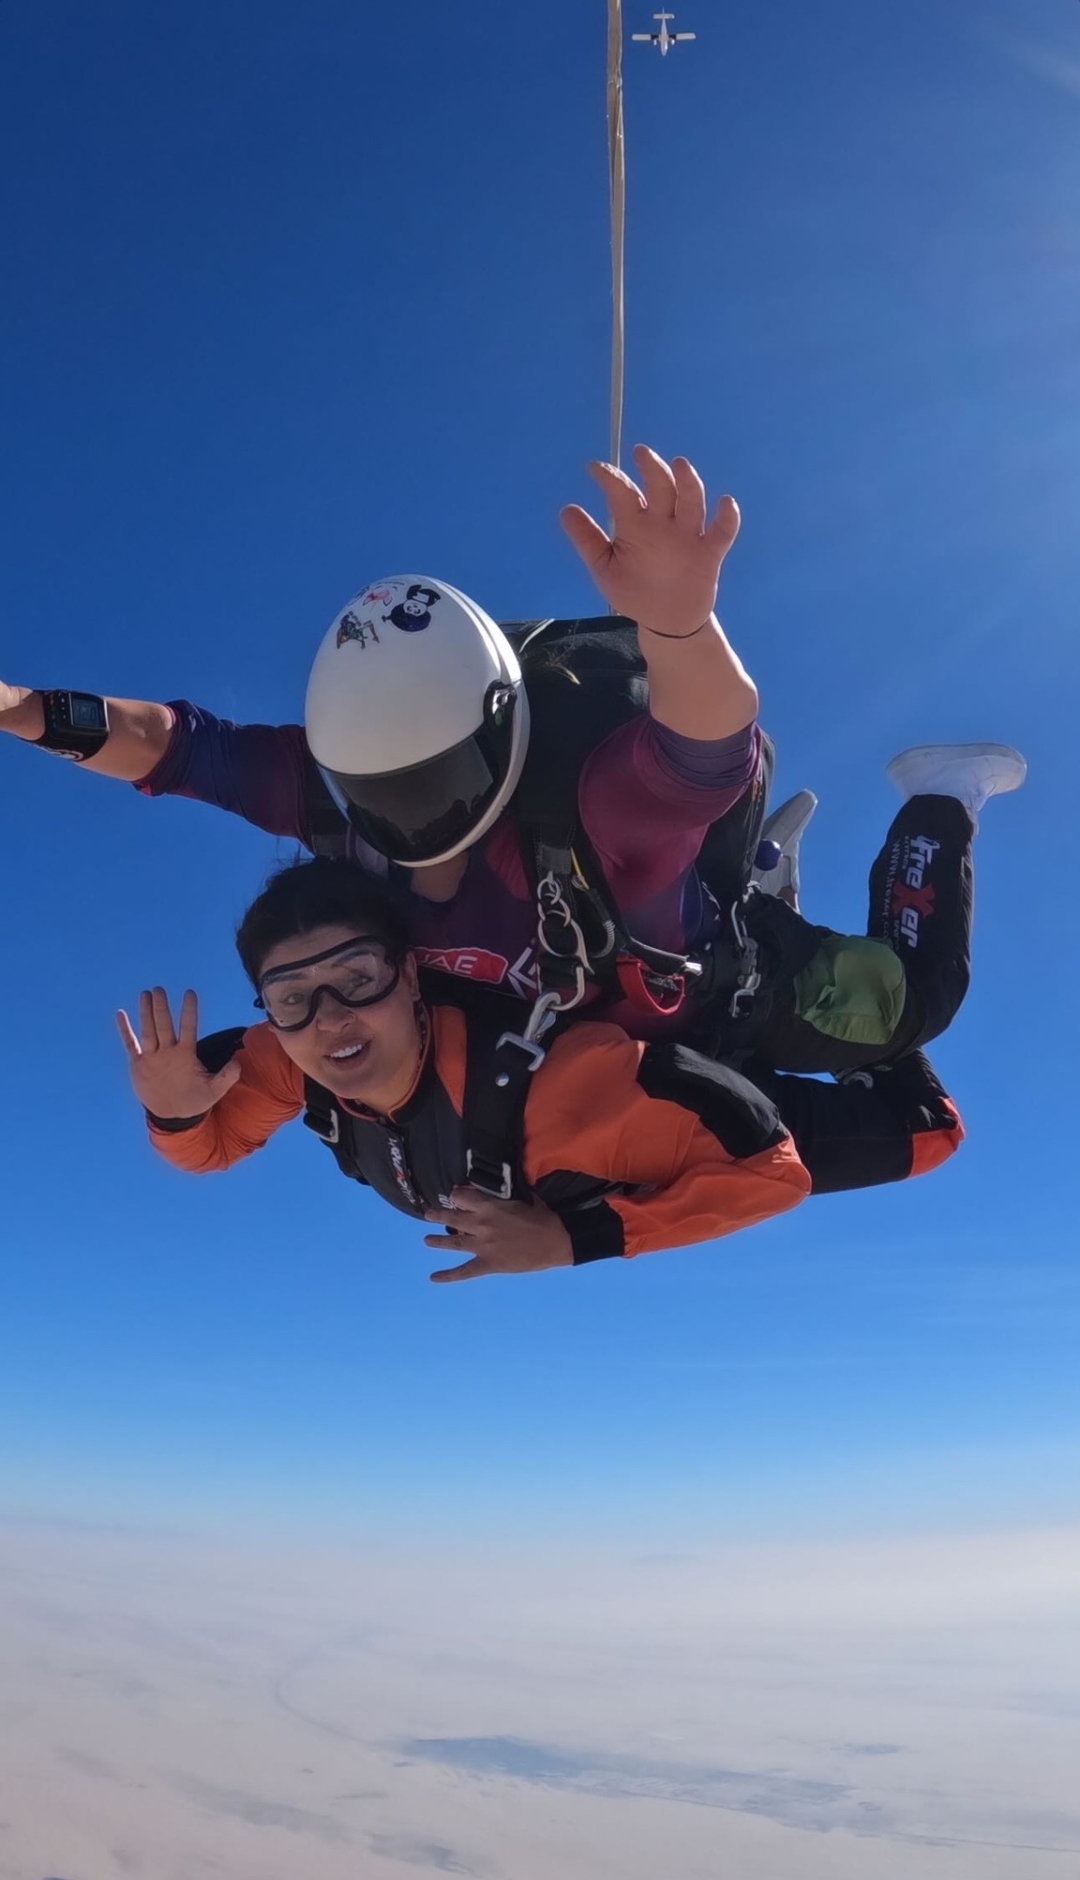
(417, 713)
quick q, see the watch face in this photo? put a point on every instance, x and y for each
(86, 715)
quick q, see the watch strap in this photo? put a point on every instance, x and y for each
(63, 735)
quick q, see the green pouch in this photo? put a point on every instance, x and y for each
(853, 989)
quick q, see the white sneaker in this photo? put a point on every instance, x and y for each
(971, 772)
(784, 828)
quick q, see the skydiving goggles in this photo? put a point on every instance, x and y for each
(356, 973)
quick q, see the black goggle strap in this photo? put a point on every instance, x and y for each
(353, 1005)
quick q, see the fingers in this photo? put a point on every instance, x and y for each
(661, 490)
(468, 1224)
(725, 524)
(590, 540)
(690, 512)
(127, 1037)
(474, 1201)
(148, 1037)
(465, 1201)
(624, 500)
(156, 1024)
(669, 492)
(163, 1022)
(472, 1269)
(188, 1029)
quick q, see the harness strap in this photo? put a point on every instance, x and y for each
(325, 1118)
(582, 935)
(498, 1068)
(328, 826)
(215, 1050)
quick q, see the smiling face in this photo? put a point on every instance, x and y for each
(365, 1054)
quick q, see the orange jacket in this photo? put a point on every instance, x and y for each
(700, 1152)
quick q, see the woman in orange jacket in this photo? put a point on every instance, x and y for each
(625, 1147)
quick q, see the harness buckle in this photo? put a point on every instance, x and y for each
(546, 1010)
(491, 1178)
(552, 906)
(325, 1125)
(749, 976)
(533, 1051)
(647, 990)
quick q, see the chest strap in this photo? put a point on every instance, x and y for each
(326, 1119)
(499, 1067)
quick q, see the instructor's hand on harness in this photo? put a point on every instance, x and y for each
(502, 1236)
(166, 1074)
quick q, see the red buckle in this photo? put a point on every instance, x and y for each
(648, 991)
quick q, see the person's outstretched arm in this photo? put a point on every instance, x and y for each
(661, 566)
(139, 731)
(201, 1120)
(264, 773)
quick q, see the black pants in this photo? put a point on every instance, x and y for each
(882, 1127)
(921, 905)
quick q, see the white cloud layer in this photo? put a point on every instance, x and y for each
(879, 1710)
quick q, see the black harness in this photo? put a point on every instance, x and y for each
(500, 1060)
(585, 679)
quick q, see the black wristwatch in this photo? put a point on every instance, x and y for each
(76, 724)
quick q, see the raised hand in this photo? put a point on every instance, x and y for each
(661, 563)
(502, 1236)
(166, 1074)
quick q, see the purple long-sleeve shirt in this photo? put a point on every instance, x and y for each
(646, 797)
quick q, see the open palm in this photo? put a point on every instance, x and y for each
(166, 1074)
(661, 563)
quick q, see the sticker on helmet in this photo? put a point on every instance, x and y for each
(351, 627)
(406, 606)
(413, 614)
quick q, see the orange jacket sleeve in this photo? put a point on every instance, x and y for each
(591, 1110)
(270, 1092)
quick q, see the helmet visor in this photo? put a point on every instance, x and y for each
(419, 814)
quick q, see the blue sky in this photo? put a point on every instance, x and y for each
(296, 297)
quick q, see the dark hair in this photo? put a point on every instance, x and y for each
(326, 892)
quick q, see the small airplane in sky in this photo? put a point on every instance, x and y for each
(663, 39)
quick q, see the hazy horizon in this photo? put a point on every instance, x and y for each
(751, 1561)
(895, 1708)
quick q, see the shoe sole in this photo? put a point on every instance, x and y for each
(791, 818)
(1007, 768)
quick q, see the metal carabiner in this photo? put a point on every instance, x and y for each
(749, 979)
(542, 1017)
(551, 903)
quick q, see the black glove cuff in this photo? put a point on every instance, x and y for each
(596, 1232)
(174, 1125)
